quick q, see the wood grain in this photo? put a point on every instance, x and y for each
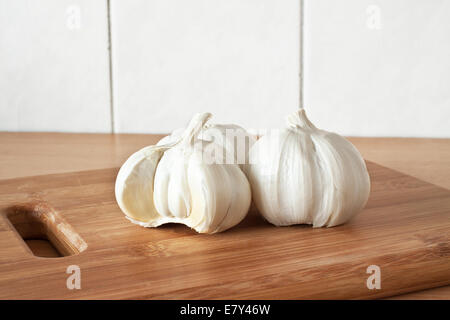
(426, 159)
(30, 154)
(405, 230)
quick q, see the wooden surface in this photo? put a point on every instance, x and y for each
(405, 230)
(23, 154)
(31, 154)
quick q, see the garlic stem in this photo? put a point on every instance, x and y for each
(195, 126)
(298, 119)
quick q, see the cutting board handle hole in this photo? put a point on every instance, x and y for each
(44, 231)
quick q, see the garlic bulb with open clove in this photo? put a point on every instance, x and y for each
(304, 175)
(177, 181)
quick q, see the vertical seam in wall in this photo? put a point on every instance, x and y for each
(111, 87)
(301, 68)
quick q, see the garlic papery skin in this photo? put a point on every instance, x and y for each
(134, 185)
(235, 140)
(304, 175)
(172, 182)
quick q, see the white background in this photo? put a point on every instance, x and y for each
(378, 68)
(371, 68)
(54, 73)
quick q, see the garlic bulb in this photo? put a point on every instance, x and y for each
(175, 182)
(304, 175)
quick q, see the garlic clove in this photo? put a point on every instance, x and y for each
(221, 195)
(134, 184)
(239, 203)
(171, 191)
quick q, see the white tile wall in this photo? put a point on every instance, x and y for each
(371, 67)
(238, 59)
(378, 67)
(54, 73)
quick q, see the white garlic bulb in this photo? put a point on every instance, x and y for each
(174, 182)
(304, 175)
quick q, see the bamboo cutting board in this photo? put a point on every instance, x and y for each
(405, 230)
